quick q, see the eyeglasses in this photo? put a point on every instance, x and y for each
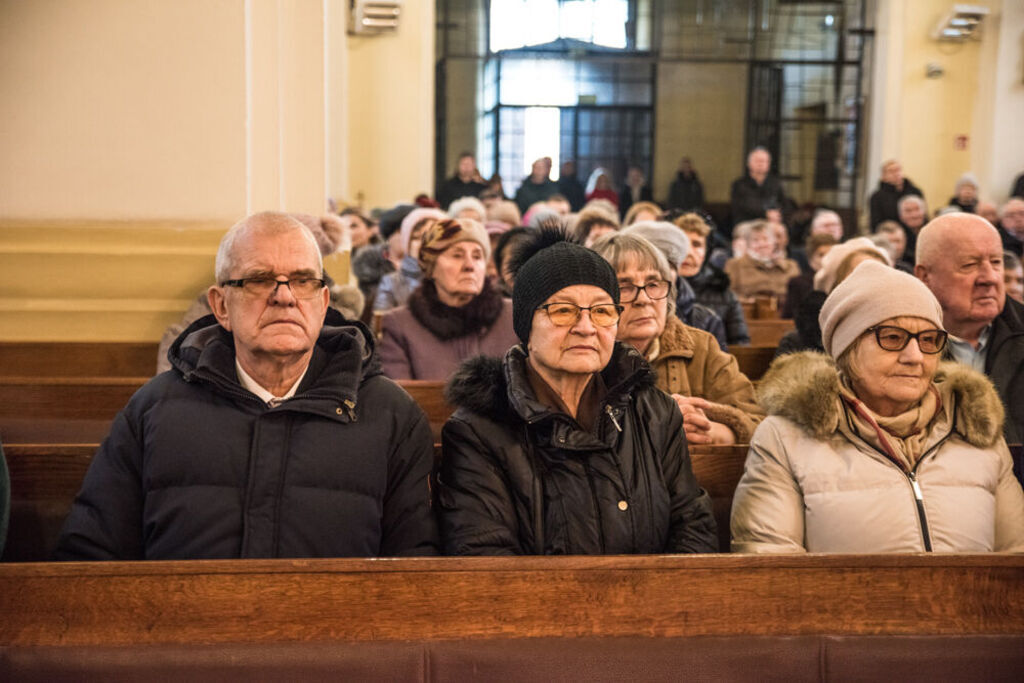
(564, 315)
(301, 287)
(658, 289)
(896, 338)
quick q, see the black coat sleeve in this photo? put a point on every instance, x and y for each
(692, 527)
(475, 504)
(105, 522)
(408, 524)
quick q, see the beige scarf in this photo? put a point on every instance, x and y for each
(902, 437)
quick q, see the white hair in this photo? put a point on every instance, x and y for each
(471, 203)
(268, 223)
(911, 198)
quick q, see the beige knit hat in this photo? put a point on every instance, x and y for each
(825, 278)
(443, 234)
(873, 293)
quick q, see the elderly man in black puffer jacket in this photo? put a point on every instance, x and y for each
(274, 435)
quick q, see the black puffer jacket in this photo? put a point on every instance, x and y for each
(712, 289)
(518, 478)
(197, 467)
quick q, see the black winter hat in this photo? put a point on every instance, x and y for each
(391, 220)
(547, 263)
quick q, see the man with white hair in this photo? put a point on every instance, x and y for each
(892, 186)
(274, 434)
(960, 258)
(1011, 225)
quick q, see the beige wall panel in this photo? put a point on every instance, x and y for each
(122, 108)
(390, 91)
(700, 114)
(461, 110)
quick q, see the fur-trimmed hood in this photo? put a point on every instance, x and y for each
(497, 388)
(804, 387)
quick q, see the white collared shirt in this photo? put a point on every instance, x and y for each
(264, 395)
(964, 352)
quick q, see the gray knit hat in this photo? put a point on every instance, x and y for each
(670, 239)
(873, 293)
(547, 263)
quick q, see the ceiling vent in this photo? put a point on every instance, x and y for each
(368, 17)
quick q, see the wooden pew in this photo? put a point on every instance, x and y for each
(62, 409)
(46, 477)
(842, 617)
(78, 359)
(768, 332)
(429, 395)
(754, 360)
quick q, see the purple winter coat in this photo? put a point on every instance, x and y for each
(428, 340)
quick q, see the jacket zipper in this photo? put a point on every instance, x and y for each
(919, 499)
(611, 414)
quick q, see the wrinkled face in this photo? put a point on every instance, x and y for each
(578, 349)
(781, 236)
(278, 324)
(892, 382)
(893, 174)
(467, 165)
(912, 215)
(967, 193)
(459, 271)
(1014, 280)
(1013, 217)
(761, 244)
(828, 224)
(759, 162)
(898, 243)
(358, 230)
(967, 279)
(818, 255)
(988, 211)
(643, 320)
(695, 258)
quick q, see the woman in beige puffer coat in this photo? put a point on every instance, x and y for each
(883, 450)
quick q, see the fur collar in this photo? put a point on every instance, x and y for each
(676, 340)
(499, 389)
(804, 387)
(447, 322)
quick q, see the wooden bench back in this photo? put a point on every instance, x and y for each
(479, 599)
(768, 332)
(46, 477)
(78, 359)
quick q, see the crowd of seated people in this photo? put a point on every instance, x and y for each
(582, 354)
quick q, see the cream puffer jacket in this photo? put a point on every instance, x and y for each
(811, 484)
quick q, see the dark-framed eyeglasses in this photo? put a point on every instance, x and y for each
(892, 338)
(566, 314)
(301, 287)
(656, 290)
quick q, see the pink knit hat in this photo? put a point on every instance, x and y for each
(825, 278)
(873, 293)
(414, 218)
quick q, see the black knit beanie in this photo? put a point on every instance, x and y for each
(391, 220)
(547, 263)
